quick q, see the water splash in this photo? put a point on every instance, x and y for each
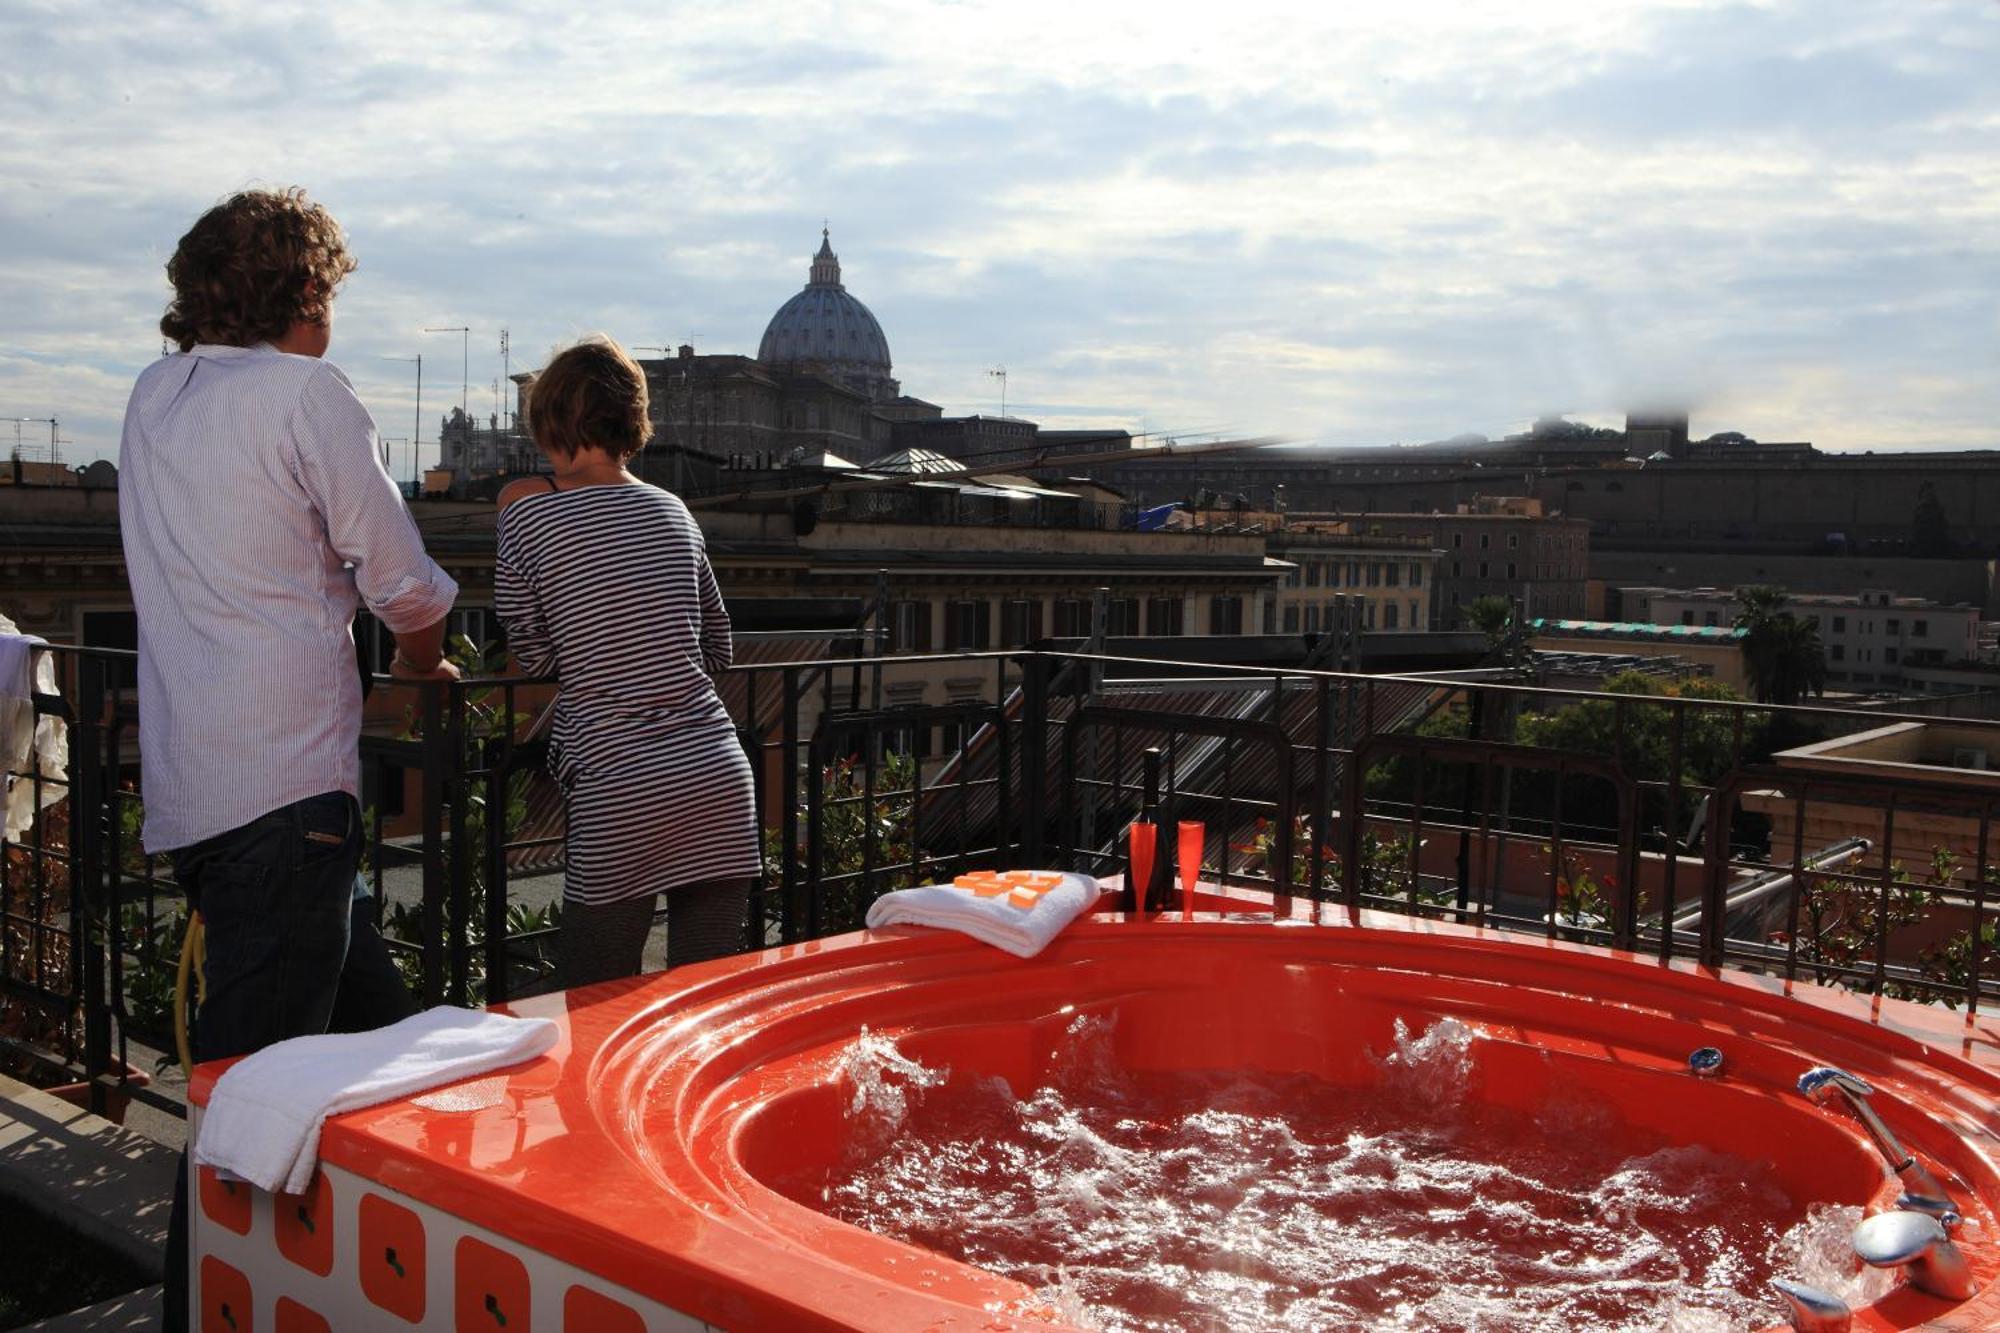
(1434, 1069)
(1142, 1202)
(880, 1079)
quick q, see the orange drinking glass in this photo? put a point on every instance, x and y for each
(1144, 842)
(1194, 836)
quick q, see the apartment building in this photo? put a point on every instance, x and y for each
(1872, 638)
(1393, 578)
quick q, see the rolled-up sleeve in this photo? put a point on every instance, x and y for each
(367, 523)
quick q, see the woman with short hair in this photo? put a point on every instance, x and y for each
(603, 581)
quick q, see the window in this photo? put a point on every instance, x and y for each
(1416, 614)
(1457, 569)
(1292, 578)
(1390, 612)
(1708, 618)
(1457, 540)
(1920, 629)
(1416, 575)
(1837, 653)
(1840, 624)
(1354, 573)
(1513, 541)
(967, 626)
(1333, 574)
(1312, 573)
(1072, 618)
(1889, 656)
(1312, 619)
(1020, 623)
(1392, 574)
(1895, 626)
(1164, 615)
(1225, 615)
(910, 627)
(1374, 573)
(1687, 617)
(1482, 569)
(1511, 575)
(1292, 619)
(1368, 616)
(1121, 616)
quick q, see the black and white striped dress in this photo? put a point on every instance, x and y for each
(609, 588)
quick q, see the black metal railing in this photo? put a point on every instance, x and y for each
(1660, 819)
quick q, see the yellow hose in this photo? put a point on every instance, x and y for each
(194, 954)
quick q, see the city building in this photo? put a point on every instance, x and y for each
(1492, 546)
(1393, 578)
(1872, 638)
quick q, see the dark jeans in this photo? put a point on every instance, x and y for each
(292, 951)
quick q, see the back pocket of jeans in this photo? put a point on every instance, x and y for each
(327, 825)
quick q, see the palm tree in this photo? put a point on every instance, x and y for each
(1782, 653)
(1793, 660)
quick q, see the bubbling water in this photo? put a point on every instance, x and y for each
(1224, 1202)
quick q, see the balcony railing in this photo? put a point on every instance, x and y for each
(1654, 822)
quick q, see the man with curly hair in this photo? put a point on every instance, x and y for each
(257, 516)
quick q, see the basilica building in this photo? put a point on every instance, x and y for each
(820, 392)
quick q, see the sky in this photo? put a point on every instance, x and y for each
(1349, 224)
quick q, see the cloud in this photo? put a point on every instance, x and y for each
(1372, 223)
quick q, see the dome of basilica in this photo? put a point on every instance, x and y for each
(827, 327)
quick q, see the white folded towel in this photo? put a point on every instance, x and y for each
(1022, 931)
(263, 1119)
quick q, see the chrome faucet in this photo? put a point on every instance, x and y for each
(1813, 1310)
(1917, 1244)
(1922, 1191)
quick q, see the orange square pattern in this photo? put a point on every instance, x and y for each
(490, 1290)
(225, 1297)
(392, 1257)
(224, 1202)
(587, 1311)
(1024, 888)
(295, 1318)
(304, 1225)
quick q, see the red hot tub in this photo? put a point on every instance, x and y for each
(630, 1179)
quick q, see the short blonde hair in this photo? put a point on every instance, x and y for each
(591, 394)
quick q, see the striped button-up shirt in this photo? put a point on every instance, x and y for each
(256, 516)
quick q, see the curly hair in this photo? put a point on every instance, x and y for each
(591, 394)
(251, 267)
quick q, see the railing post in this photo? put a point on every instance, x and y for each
(1353, 798)
(1715, 874)
(815, 877)
(1034, 757)
(788, 923)
(496, 757)
(91, 904)
(436, 769)
(458, 916)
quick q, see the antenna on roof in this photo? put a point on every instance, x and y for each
(1000, 373)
